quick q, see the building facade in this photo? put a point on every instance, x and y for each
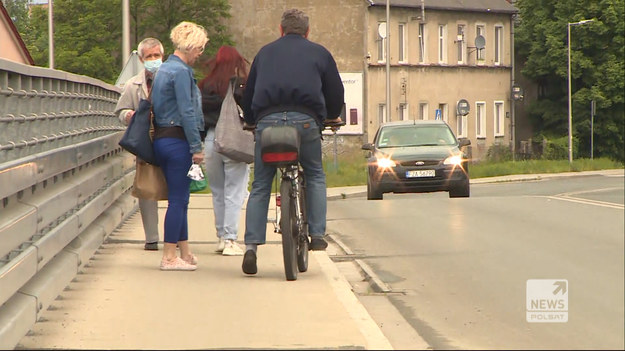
(12, 46)
(442, 52)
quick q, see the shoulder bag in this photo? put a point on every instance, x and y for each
(230, 138)
(149, 182)
(137, 138)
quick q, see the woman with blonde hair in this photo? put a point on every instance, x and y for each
(178, 121)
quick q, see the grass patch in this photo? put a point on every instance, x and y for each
(493, 169)
(351, 168)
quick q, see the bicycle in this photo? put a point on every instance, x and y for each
(279, 148)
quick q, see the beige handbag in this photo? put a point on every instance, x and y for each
(149, 182)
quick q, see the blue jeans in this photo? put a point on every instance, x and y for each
(228, 182)
(310, 159)
(174, 158)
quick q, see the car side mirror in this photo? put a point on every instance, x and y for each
(462, 142)
(367, 146)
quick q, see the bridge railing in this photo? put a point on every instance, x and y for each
(64, 185)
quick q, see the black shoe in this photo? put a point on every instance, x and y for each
(249, 262)
(318, 244)
(151, 246)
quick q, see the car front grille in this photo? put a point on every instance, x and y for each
(426, 163)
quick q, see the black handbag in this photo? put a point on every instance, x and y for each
(137, 139)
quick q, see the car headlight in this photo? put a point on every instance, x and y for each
(455, 160)
(385, 162)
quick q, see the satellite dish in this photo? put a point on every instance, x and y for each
(480, 42)
(463, 107)
(382, 30)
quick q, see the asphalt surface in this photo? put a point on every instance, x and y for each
(121, 300)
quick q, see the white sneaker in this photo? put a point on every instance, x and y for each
(232, 249)
(221, 245)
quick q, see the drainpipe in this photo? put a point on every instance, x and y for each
(512, 83)
(388, 61)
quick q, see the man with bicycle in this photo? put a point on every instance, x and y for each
(292, 81)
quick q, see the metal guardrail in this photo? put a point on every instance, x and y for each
(64, 185)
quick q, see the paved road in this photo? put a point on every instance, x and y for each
(458, 268)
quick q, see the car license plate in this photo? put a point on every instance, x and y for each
(420, 173)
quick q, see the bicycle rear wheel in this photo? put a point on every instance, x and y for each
(288, 225)
(302, 248)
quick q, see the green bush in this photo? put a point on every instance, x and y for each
(499, 153)
(556, 149)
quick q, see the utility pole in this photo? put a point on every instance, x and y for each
(50, 36)
(568, 27)
(388, 61)
(126, 31)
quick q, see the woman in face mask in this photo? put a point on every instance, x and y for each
(136, 88)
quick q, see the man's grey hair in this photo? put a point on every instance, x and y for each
(149, 43)
(294, 21)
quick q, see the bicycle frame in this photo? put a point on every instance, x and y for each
(280, 148)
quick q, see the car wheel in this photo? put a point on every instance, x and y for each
(373, 192)
(462, 189)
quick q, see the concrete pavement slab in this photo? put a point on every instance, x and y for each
(122, 300)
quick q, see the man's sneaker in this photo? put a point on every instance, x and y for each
(177, 264)
(318, 244)
(151, 247)
(221, 245)
(249, 262)
(231, 248)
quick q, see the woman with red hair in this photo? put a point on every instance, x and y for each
(228, 179)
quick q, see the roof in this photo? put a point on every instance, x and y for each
(4, 13)
(494, 6)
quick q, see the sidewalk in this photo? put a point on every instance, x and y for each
(123, 301)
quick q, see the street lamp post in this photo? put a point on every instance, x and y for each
(569, 79)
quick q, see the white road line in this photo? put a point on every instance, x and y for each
(586, 201)
(590, 191)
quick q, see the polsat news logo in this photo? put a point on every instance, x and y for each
(547, 301)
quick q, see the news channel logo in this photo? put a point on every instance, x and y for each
(547, 301)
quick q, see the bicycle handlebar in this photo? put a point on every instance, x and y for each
(326, 125)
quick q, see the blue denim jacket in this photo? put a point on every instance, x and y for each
(177, 101)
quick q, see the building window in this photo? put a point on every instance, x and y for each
(442, 42)
(480, 119)
(381, 46)
(460, 43)
(422, 42)
(381, 113)
(444, 112)
(403, 112)
(401, 35)
(462, 126)
(423, 110)
(479, 30)
(498, 44)
(499, 118)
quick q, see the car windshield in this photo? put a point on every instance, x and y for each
(415, 135)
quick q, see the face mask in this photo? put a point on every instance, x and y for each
(153, 65)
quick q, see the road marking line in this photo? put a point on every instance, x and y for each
(586, 201)
(590, 191)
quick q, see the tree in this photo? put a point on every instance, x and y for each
(597, 69)
(18, 10)
(88, 34)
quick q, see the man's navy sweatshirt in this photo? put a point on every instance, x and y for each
(293, 74)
